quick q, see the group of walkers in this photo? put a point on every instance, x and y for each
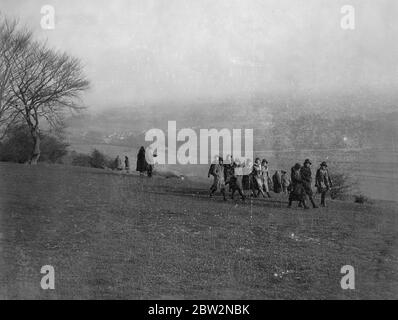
(243, 175)
(145, 162)
(301, 177)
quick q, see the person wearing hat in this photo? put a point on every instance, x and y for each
(219, 179)
(297, 192)
(306, 177)
(212, 166)
(323, 182)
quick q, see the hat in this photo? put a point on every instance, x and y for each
(297, 166)
(324, 164)
(307, 161)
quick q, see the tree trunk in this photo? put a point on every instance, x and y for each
(36, 148)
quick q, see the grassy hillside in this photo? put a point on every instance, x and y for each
(117, 236)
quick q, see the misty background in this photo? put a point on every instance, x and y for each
(179, 51)
(285, 68)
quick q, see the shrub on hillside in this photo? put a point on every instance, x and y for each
(81, 160)
(18, 144)
(342, 185)
(94, 160)
(98, 160)
(361, 199)
(53, 149)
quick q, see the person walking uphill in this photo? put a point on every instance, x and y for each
(306, 178)
(323, 182)
(219, 180)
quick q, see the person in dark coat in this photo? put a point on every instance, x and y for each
(277, 182)
(306, 177)
(213, 166)
(297, 192)
(142, 165)
(323, 182)
(228, 171)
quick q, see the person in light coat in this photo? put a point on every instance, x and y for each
(265, 177)
(257, 176)
(323, 182)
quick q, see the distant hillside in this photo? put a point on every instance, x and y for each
(272, 130)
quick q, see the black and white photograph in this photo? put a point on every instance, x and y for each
(214, 151)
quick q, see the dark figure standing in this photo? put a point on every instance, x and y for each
(323, 182)
(142, 165)
(277, 182)
(306, 177)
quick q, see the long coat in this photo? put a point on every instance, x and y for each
(297, 192)
(219, 178)
(142, 165)
(306, 178)
(322, 180)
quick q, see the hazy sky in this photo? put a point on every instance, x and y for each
(182, 50)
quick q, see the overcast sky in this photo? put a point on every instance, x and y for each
(181, 50)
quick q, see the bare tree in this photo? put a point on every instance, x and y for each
(13, 42)
(45, 84)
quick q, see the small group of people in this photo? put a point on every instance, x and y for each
(301, 188)
(145, 161)
(242, 175)
(119, 166)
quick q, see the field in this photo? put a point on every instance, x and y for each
(120, 236)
